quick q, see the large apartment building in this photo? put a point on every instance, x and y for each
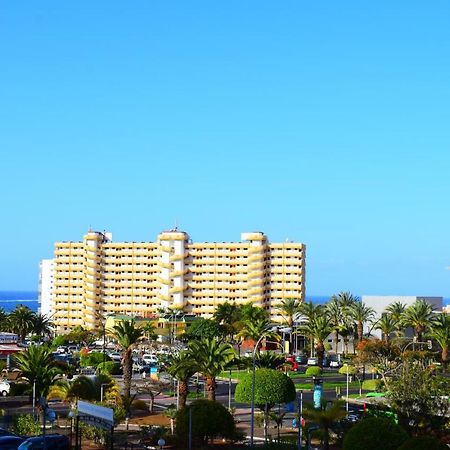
(98, 277)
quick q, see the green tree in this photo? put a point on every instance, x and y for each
(42, 325)
(325, 417)
(374, 433)
(209, 420)
(269, 360)
(127, 335)
(386, 324)
(419, 316)
(205, 329)
(4, 320)
(26, 425)
(70, 391)
(254, 329)
(396, 311)
(182, 367)
(440, 332)
(271, 387)
(38, 367)
(228, 315)
(335, 314)
(21, 321)
(149, 330)
(81, 336)
(290, 308)
(319, 329)
(361, 314)
(211, 358)
(419, 397)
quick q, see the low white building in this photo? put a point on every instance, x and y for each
(379, 303)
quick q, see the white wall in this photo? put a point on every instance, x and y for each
(46, 287)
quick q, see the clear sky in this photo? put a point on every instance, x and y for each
(323, 122)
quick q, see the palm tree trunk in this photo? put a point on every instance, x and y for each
(320, 350)
(127, 373)
(336, 340)
(444, 356)
(211, 388)
(183, 391)
(360, 331)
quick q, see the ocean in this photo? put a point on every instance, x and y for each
(10, 299)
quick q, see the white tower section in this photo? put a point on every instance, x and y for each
(46, 306)
(172, 268)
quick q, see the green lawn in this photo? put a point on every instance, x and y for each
(328, 385)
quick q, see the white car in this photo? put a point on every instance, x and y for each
(312, 361)
(115, 356)
(150, 358)
(5, 387)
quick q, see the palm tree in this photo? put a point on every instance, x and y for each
(211, 358)
(182, 367)
(127, 335)
(254, 329)
(290, 309)
(38, 367)
(419, 316)
(440, 332)
(325, 417)
(361, 314)
(309, 311)
(334, 311)
(386, 325)
(396, 310)
(4, 322)
(70, 391)
(228, 315)
(319, 329)
(42, 325)
(269, 360)
(22, 321)
(149, 330)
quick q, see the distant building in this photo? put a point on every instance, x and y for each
(98, 277)
(45, 287)
(380, 302)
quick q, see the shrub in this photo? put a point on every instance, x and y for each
(25, 425)
(108, 367)
(373, 385)
(93, 359)
(375, 433)
(209, 419)
(271, 387)
(352, 370)
(313, 371)
(422, 443)
(20, 389)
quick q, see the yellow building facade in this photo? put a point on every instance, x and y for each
(98, 277)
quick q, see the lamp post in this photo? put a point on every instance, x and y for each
(71, 415)
(300, 420)
(252, 410)
(346, 397)
(102, 391)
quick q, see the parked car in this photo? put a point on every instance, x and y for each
(313, 361)
(115, 356)
(5, 387)
(5, 432)
(10, 442)
(301, 359)
(150, 358)
(50, 442)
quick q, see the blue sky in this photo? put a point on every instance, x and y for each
(322, 122)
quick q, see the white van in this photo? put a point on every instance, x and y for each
(150, 358)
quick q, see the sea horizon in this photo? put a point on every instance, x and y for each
(10, 299)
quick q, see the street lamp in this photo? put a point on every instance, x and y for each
(300, 420)
(161, 443)
(252, 413)
(71, 415)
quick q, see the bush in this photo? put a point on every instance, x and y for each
(313, 371)
(20, 389)
(375, 433)
(352, 370)
(373, 385)
(93, 359)
(271, 387)
(108, 367)
(422, 443)
(209, 419)
(25, 425)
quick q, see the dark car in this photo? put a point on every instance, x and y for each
(52, 442)
(5, 432)
(301, 359)
(10, 442)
